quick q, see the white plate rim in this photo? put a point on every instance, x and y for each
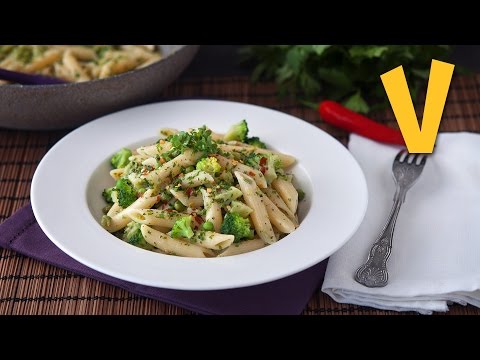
(225, 265)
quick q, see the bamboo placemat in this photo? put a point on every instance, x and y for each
(28, 286)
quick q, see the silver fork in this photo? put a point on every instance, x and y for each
(406, 170)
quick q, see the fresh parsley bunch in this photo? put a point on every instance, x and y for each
(346, 73)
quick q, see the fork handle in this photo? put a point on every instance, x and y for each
(374, 272)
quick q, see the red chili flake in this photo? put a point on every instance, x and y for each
(263, 169)
(198, 219)
(263, 161)
(251, 173)
(189, 191)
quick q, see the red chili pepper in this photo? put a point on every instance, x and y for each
(189, 192)
(263, 161)
(341, 117)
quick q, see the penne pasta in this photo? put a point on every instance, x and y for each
(62, 72)
(77, 63)
(162, 229)
(287, 160)
(278, 201)
(120, 220)
(278, 218)
(117, 173)
(253, 198)
(155, 150)
(166, 132)
(115, 209)
(173, 246)
(210, 199)
(213, 240)
(236, 166)
(243, 247)
(288, 193)
(194, 201)
(138, 158)
(49, 57)
(196, 178)
(151, 161)
(172, 167)
(213, 210)
(72, 65)
(80, 52)
(121, 65)
(227, 196)
(154, 217)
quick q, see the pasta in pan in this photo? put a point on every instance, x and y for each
(77, 63)
(199, 194)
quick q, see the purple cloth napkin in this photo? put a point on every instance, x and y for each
(288, 296)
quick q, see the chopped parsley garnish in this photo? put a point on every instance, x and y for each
(199, 140)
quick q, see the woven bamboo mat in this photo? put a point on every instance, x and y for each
(28, 286)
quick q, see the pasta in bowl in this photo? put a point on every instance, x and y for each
(68, 183)
(71, 104)
(77, 63)
(202, 194)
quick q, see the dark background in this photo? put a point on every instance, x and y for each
(222, 60)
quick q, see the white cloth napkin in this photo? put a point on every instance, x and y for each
(436, 245)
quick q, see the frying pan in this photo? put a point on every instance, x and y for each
(66, 106)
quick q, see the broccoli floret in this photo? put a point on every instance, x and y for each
(209, 165)
(126, 193)
(237, 132)
(253, 160)
(255, 141)
(234, 224)
(133, 235)
(182, 228)
(120, 159)
(107, 194)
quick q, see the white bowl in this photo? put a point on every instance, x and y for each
(66, 196)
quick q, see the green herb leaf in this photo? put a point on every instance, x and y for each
(346, 73)
(199, 140)
(367, 51)
(319, 49)
(357, 103)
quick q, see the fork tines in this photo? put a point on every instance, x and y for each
(405, 157)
